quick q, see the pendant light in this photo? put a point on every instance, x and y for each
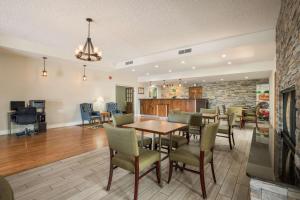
(88, 52)
(44, 72)
(84, 78)
(179, 83)
(164, 85)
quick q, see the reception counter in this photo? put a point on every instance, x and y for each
(161, 107)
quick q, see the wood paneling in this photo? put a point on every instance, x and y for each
(158, 106)
(195, 92)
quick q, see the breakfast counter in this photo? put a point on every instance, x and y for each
(161, 107)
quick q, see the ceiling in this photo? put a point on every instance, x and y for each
(130, 29)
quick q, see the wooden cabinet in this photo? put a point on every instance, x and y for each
(195, 92)
(161, 107)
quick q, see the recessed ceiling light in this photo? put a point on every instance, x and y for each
(193, 67)
(182, 62)
(221, 79)
(170, 70)
(133, 70)
(195, 85)
(223, 55)
(156, 66)
(229, 62)
(147, 73)
(246, 77)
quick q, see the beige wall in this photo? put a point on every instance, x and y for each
(63, 89)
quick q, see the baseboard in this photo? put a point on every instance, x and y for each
(50, 126)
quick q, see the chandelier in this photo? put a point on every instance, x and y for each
(88, 52)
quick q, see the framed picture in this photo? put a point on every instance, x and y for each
(140, 90)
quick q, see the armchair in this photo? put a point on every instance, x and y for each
(112, 108)
(88, 114)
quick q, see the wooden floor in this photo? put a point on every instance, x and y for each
(85, 176)
(26, 152)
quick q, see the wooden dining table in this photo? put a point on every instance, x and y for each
(158, 127)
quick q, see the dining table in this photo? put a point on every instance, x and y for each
(159, 127)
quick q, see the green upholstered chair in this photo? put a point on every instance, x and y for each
(125, 153)
(195, 125)
(6, 192)
(177, 140)
(238, 115)
(251, 115)
(119, 120)
(209, 111)
(197, 155)
(227, 129)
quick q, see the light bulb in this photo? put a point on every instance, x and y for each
(179, 84)
(96, 50)
(77, 51)
(44, 73)
(80, 47)
(84, 78)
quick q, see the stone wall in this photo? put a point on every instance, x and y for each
(288, 60)
(221, 93)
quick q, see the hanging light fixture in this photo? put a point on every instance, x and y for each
(84, 76)
(88, 52)
(179, 83)
(44, 72)
(164, 85)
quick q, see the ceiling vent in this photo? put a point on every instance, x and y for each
(130, 62)
(184, 51)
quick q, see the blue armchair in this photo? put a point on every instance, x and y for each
(112, 108)
(88, 114)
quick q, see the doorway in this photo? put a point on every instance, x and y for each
(125, 98)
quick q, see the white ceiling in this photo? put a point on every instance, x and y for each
(129, 29)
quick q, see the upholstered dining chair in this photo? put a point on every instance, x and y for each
(213, 111)
(177, 140)
(125, 153)
(197, 155)
(6, 192)
(120, 120)
(238, 121)
(227, 129)
(195, 125)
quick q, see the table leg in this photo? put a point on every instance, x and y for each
(159, 143)
(170, 143)
(153, 141)
(142, 139)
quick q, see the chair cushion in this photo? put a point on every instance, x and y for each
(146, 159)
(177, 141)
(147, 141)
(190, 154)
(223, 129)
(6, 192)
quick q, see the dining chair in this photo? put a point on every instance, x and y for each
(6, 192)
(197, 155)
(195, 125)
(177, 140)
(213, 111)
(238, 115)
(226, 130)
(223, 115)
(125, 153)
(120, 120)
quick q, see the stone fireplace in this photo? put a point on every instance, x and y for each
(288, 76)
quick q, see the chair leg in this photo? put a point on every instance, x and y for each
(213, 171)
(202, 180)
(170, 170)
(233, 138)
(111, 170)
(136, 178)
(158, 171)
(229, 139)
